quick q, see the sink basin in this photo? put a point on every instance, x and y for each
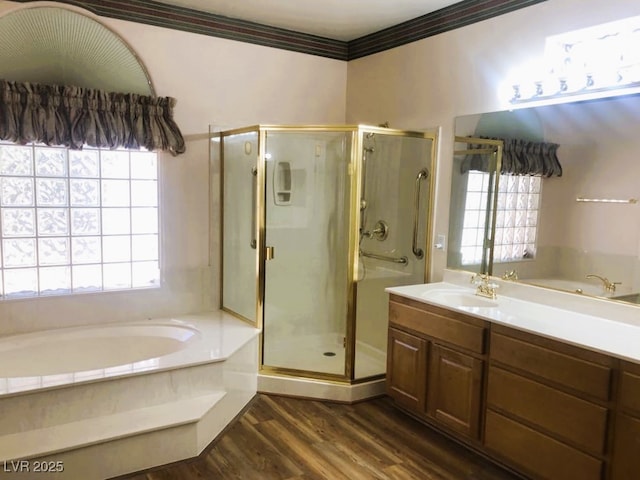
(458, 299)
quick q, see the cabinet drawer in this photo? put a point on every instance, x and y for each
(450, 330)
(537, 453)
(575, 373)
(630, 391)
(572, 419)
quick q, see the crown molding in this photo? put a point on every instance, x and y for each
(446, 19)
(159, 14)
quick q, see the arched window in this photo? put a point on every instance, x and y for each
(79, 127)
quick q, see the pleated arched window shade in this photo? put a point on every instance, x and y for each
(59, 46)
(66, 79)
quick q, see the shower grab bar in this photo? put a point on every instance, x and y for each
(402, 260)
(416, 199)
(254, 194)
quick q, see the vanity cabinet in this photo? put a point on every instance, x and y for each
(548, 406)
(626, 456)
(546, 409)
(435, 364)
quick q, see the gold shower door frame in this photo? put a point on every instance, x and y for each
(355, 174)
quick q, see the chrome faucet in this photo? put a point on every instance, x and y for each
(608, 285)
(484, 287)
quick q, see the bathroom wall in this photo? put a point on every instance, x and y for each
(430, 82)
(216, 82)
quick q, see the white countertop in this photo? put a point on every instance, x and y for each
(614, 331)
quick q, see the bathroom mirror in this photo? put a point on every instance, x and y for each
(576, 229)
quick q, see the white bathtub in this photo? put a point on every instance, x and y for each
(107, 400)
(51, 358)
(78, 349)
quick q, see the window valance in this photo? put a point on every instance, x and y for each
(519, 157)
(74, 116)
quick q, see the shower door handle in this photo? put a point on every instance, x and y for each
(422, 174)
(269, 253)
(253, 243)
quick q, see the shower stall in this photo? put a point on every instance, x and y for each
(316, 222)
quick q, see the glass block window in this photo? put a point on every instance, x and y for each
(518, 206)
(77, 221)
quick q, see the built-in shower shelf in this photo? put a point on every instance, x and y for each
(92, 431)
(283, 198)
(282, 183)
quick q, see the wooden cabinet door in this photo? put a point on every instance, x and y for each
(407, 369)
(454, 390)
(626, 457)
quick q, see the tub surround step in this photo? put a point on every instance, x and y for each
(92, 431)
(120, 423)
(75, 403)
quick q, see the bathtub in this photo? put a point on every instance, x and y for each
(76, 349)
(111, 399)
(73, 355)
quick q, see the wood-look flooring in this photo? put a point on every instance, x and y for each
(287, 438)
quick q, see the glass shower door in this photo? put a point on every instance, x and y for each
(240, 284)
(395, 199)
(307, 198)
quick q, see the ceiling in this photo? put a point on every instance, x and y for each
(336, 19)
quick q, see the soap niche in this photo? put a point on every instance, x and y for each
(282, 183)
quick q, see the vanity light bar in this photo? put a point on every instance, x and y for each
(607, 200)
(591, 60)
(541, 91)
